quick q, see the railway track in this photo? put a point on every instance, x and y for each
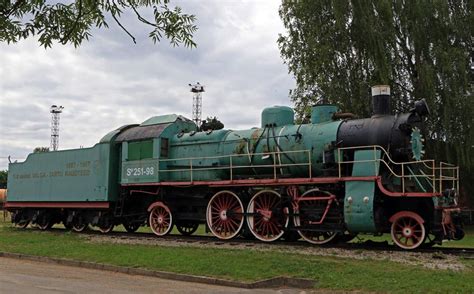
(437, 252)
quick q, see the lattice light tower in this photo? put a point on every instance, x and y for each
(55, 112)
(197, 90)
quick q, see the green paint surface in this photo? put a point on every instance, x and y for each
(69, 175)
(359, 198)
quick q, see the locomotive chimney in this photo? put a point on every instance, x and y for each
(381, 100)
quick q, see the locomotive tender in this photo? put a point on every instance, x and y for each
(324, 181)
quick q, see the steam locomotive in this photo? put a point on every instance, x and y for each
(323, 181)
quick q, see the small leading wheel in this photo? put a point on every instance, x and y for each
(224, 215)
(408, 231)
(266, 217)
(187, 228)
(160, 220)
(313, 207)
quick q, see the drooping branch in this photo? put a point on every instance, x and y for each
(123, 28)
(68, 34)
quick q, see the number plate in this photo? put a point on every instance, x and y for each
(140, 171)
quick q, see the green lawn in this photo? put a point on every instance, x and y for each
(332, 273)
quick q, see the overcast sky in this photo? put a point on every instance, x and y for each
(109, 81)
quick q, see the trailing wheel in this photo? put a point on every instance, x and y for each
(224, 215)
(311, 212)
(160, 219)
(187, 228)
(408, 230)
(266, 218)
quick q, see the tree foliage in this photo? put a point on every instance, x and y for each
(3, 179)
(211, 124)
(54, 21)
(41, 149)
(422, 49)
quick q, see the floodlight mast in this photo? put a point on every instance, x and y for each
(197, 90)
(55, 112)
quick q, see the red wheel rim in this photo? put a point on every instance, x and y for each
(161, 220)
(266, 220)
(303, 219)
(225, 215)
(407, 232)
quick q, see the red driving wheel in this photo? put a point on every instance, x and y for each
(224, 215)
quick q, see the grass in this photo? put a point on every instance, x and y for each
(332, 273)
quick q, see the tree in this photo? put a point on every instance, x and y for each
(3, 179)
(422, 49)
(72, 23)
(41, 149)
(211, 124)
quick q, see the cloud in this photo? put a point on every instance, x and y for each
(109, 81)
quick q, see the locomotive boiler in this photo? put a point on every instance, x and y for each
(324, 181)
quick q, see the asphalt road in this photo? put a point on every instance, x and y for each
(22, 276)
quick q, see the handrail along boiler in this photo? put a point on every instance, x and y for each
(323, 181)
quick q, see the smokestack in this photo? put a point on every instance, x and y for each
(381, 100)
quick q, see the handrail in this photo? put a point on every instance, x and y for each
(437, 176)
(192, 168)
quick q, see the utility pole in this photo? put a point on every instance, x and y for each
(55, 112)
(197, 90)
